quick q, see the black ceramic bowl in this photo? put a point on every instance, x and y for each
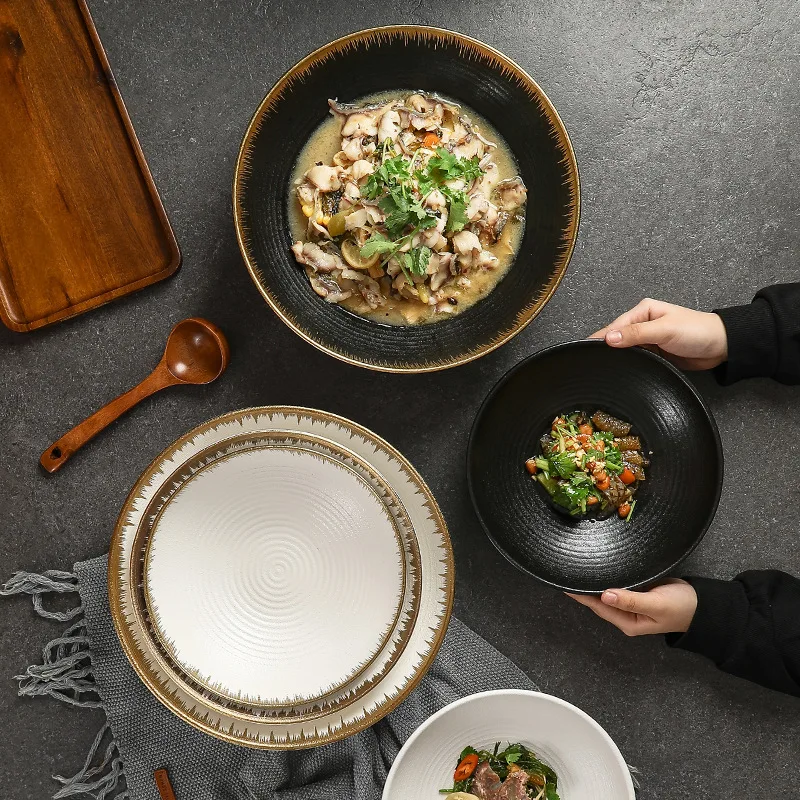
(675, 505)
(407, 57)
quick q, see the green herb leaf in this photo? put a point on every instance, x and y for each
(390, 174)
(563, 464)
(425, 183)
(571, 497)
(613, 459)
(377, 243)
(457, 211)
(444, 166)
(420, 256)
(395, 206)
(403, 210)
(549, 483)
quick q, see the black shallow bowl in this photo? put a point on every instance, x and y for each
(675, 505)
(407, 57)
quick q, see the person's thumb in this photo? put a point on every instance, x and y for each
(652, 332)
(645, 603)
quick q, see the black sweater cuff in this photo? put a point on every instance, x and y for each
(752, 342)
(719, 620)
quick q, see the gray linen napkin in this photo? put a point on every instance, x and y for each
(87, 667)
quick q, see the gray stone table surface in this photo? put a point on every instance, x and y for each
(684, 117)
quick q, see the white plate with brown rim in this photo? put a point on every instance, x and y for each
(151, 618)
(294, 577)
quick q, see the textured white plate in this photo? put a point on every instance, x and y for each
(396, 642)
(402, 667)
(588, 763)
(285, 555)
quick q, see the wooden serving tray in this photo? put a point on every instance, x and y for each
(81, 222)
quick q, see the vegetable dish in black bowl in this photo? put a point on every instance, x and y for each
(534, 461)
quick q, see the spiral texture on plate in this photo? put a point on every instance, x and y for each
(382, 466)
(265, 561)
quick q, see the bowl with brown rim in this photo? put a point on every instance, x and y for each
(407, 57)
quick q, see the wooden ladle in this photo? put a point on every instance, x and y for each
(196, 352)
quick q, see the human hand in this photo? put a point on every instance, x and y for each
(668, 608)
(689, 339)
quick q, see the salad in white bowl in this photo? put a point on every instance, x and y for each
(509, 745)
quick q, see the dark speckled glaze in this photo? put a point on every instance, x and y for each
(675, 505)
(433, 60)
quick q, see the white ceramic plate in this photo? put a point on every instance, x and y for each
(317, 447)
(396, 641)
(267, 559)
(588, 763)
(251, 727)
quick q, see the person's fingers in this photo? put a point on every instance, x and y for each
(643, 311)
(651, 604)
(625, 621)
(656, 332)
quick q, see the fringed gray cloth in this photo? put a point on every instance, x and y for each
(86, 667)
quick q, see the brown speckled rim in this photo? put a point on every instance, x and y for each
(332, 699)
(167, 698)
(366, 37)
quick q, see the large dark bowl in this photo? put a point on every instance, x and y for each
(675, 505)
(407, 57)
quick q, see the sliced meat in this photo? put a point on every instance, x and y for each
(371, 292)
(361, 169)
(478, 206)
(486, 783)
(326, 179)
(420, 103)
(435, 200)
(305, 193)
(486, 260)
(617, 492)
(466, 243)
(389, 126)
(471, 147)
(315, 257)
(515, 787)
(632, 457)
(357, 122)
(512, 194)
(326, 287)
(629, 442)
(352, 149)
(637, 471)
(358, 219)
(605, 422)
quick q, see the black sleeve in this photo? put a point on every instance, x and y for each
(749, 627)
(764, 336)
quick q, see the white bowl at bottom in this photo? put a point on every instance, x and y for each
(588, 763)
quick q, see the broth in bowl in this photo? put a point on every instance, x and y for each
(405, 208)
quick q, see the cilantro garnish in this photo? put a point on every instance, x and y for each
(445, 166)
(401, 194)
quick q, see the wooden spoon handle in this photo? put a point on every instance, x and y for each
(58, 453)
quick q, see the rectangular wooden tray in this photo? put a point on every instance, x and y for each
(81, 222)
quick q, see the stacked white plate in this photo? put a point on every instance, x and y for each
(280, 577)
